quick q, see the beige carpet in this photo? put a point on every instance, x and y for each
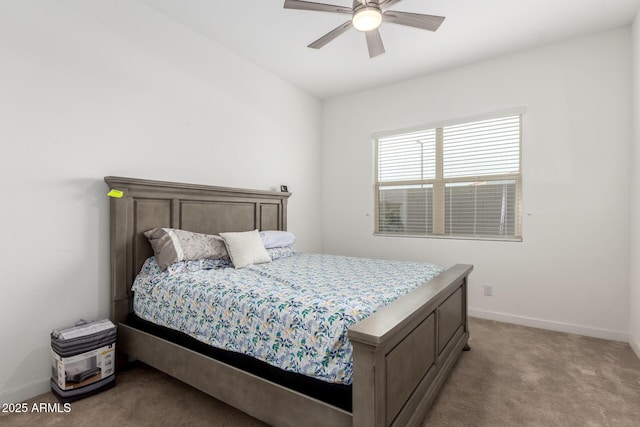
(513, 376)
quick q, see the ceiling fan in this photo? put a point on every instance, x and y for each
(366, 17)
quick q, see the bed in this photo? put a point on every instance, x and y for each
(401, 354)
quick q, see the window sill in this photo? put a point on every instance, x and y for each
(433, 236)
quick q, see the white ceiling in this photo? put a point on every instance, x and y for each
(265, 33)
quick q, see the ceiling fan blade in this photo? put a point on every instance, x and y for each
(331, 35)
(374, 43)
(385, 4)
(417, 20)
(322, 7)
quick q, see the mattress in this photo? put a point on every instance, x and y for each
(292, 313)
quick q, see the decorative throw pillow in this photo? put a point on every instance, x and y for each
(171, 245)
(245, 248)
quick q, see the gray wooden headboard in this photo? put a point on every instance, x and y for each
(147, 204)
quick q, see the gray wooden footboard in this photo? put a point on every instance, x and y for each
(403, 353)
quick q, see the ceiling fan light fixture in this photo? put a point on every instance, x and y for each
(367, 18)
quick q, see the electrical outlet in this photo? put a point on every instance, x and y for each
(488, 290)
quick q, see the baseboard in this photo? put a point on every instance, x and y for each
(552, 326)
(635, 346)
(26, 391)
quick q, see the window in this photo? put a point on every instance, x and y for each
(459, 181)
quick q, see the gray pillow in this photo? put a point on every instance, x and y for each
(171, 245)
(245, 248)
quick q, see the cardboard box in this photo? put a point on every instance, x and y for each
(83, 369)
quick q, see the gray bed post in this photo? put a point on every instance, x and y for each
(369, 395)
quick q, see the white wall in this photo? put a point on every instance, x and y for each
(96, 88)
(634, 280)
(571, 271)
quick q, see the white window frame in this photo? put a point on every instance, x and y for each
(439, 182)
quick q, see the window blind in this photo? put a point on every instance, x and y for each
(462, 180)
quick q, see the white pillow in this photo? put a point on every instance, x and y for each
(245, 248)
(277, 239)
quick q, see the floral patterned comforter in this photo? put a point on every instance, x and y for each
(292, 313)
